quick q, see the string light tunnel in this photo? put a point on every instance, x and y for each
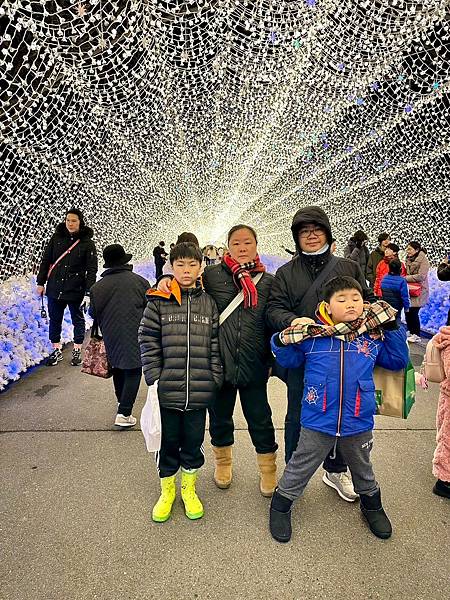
(157, 117)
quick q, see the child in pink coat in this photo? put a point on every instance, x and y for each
(441, 459)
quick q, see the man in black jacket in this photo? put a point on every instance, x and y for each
(68, 269)
(117, 305)
(160, 256)
(294, 298)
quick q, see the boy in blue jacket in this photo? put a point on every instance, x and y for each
(338, 401)
(394, 289)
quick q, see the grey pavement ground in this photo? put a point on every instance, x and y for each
(76, 500)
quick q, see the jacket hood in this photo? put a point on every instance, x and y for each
(85, 232)
(308, 215)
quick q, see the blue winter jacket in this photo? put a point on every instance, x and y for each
(339, 392)
(394, 290)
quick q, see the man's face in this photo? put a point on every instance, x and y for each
(186, 271)
(345, 305)
(311, 237)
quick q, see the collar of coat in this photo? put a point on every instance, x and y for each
(175, 291)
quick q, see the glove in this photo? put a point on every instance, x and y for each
(85, 304)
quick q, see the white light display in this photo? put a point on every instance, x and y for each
(157, 117)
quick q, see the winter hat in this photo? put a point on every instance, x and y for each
(311, 215)
(114, 256)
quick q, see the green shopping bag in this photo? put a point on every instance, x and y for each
(395, 391)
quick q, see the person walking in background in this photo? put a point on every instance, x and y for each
(187, 237)
(67, 271)
(375, 257)
(179, 339)
(394, 289)
(117, 304)
(390, 253)
(417, 268)
(443, 274)
(357, 250)
(160, 256)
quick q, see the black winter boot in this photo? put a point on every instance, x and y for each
(442, 488)
(375, 516)
(280, 518)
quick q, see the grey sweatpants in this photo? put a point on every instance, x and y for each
(313, 447)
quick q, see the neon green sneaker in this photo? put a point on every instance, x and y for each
(163, 508)
(192, 505)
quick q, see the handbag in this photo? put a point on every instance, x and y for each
(151, 420)
(95, 362)
(433, 367)
(68, 251)
(395, 391)
(415, 289)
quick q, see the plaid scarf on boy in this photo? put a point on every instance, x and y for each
(243, 279)
(373, 316)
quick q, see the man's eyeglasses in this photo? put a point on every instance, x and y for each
(306, 233)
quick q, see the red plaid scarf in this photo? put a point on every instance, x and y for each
(243, 279)
(374, 315)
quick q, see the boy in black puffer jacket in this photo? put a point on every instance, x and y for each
(180, 349)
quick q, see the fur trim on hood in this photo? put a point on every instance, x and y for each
(308, 215)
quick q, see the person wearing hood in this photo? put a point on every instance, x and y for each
(294, 297)
(117, 305)
(67, 271)
(375, 256)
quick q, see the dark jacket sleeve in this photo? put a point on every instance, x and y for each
(150, 343)
(45, 263)
(368, 294)
(394, 354)
(278, 313)
(370, 269)
(91, 266)
(216, 363)
(443, 271)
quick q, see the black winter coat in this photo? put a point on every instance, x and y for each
(117, 303)
(76, 272)
(180, 348)
(244, 337)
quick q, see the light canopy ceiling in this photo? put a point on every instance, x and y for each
(159, 117)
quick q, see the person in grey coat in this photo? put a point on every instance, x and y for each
(117, 305)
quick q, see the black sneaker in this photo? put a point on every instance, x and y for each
(76, 358)
(442, 488)
(54, 358)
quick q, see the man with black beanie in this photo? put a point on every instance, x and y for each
(294, 297)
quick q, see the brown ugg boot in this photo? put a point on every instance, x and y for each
(223, 469)
(268, 473)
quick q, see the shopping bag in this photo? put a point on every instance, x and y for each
(95, 362)
(151, 420)
(395, 391)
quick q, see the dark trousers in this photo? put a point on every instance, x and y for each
(158, 268)
(292, 424)
(257, 413)
(183, 432)
(56, 310)
(126, 386)
(413, 320)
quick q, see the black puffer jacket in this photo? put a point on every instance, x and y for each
(117, 303)
(180, 348)
(244, 337)
(76, 272)
(293, 279)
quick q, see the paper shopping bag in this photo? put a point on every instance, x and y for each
(151, 420)
(395, 391)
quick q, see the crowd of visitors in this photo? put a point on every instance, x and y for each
(210, 327)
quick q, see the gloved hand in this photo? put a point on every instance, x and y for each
(85, 304)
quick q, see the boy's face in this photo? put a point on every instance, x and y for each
(186, 271)
(345, 305)
(389, 253)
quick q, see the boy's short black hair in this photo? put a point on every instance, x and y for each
(395, 267)
(393, 247)
(337, 284)
(185, 250)
(382, 237)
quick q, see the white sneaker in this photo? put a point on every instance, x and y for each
(413, 339)
(122, 421)
(342, 483)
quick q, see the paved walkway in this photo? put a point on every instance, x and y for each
(76, 500)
